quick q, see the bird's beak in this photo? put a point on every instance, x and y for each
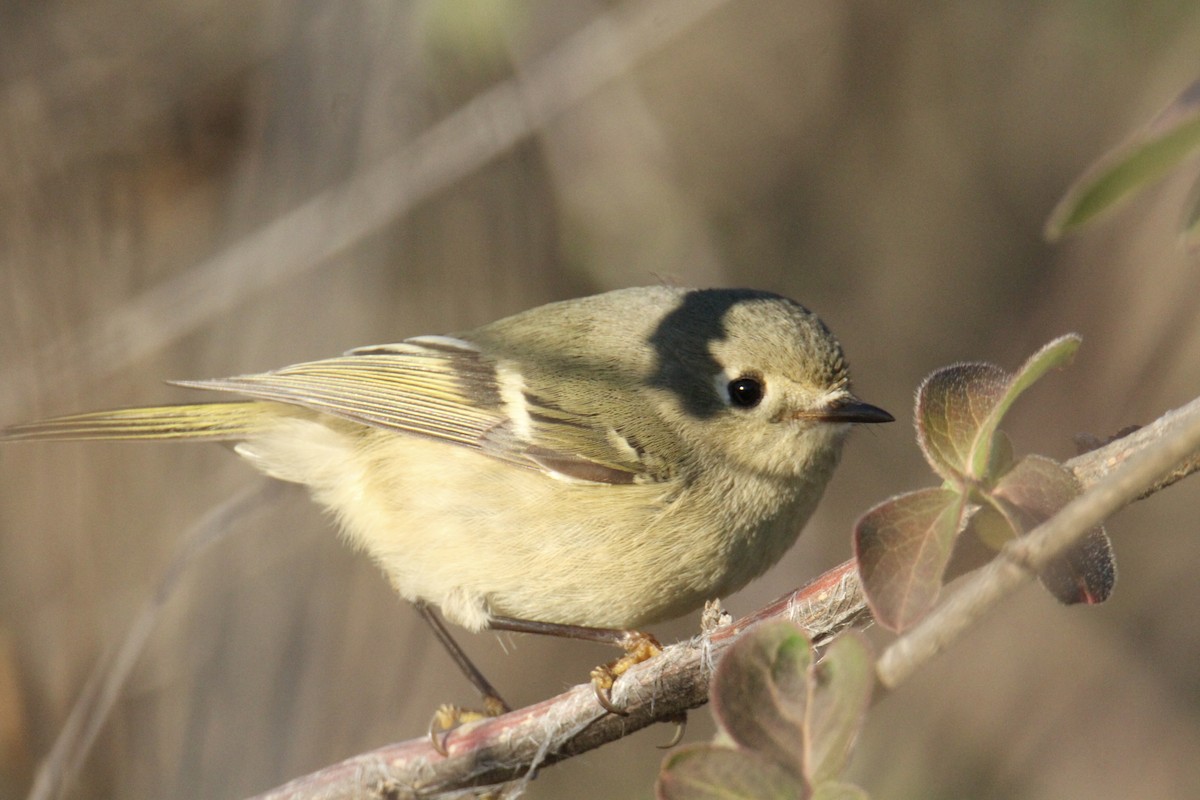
(849, 410)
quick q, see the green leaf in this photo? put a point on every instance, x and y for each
(707, 772)
(1003, 458)
(760, 691)
(1148, 155)
(992, 527)
(959, 409)
(1057, 353)
(839, 692)
(902, 546)
(839, 791)
(1032, 492)
(952, 404)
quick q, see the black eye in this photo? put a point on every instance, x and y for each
(745, 392)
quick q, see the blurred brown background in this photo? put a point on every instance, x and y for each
(890, 165)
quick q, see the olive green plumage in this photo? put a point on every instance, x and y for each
(612, 460)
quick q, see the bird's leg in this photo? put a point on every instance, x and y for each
(638, 647)
(448, 717)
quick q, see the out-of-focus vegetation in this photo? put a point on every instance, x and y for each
(890, 165)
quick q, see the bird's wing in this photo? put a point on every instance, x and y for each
(444, 388)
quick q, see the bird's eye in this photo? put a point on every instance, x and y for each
(745, 392)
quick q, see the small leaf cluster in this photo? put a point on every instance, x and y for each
(787, 722)
(904, 544)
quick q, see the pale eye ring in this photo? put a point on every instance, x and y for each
(746, 391)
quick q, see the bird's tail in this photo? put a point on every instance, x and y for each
(197, 421)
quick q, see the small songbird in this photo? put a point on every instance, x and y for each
(609, 461)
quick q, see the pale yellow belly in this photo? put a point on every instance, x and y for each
(476, 536)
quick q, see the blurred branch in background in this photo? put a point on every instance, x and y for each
(306, 237)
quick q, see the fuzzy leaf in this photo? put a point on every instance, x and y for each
(1003, 456)
(902, 546)
(1085, 573)
(708, 772)
(992, 527)
(952, 404)
(839, 692)
(1148, 155)
(839, 791)
(1032, 492)
(1057, 353)
(959, 409)
(760, 691)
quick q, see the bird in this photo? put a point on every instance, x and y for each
(600, 463)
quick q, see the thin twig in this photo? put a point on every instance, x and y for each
(505, 748)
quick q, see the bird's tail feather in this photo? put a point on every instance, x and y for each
(197, 421)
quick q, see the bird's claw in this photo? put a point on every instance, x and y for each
(448, 718)
(638, 647)
(680, 721)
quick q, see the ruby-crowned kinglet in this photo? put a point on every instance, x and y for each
(609, 461)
